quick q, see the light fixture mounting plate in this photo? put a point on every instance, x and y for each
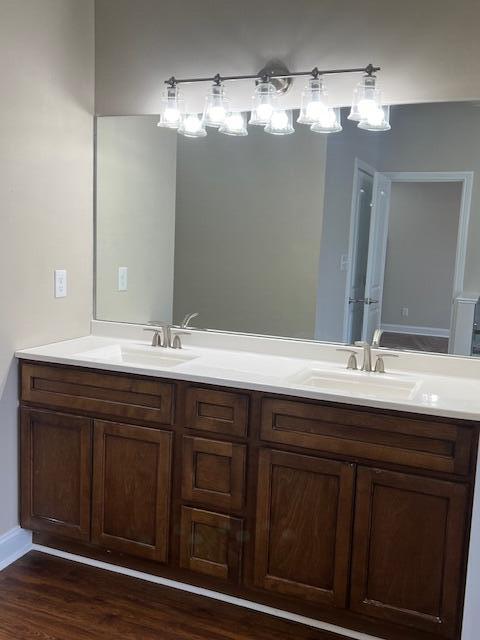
(278, 74)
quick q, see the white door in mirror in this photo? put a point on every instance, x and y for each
(60, 283)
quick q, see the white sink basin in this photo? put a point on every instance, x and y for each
(138, 355)
(358, 383)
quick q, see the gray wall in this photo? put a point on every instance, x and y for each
(428, 50)
(249, 215)
(46, 168)
(136, 170)
(421, 250)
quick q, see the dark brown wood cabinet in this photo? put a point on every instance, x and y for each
(304, 515)
(353, 515)
(56, 473)
(131, 489)
(408, 548)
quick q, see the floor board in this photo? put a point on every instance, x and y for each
(47, 598)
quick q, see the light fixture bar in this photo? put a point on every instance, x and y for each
(315, 72)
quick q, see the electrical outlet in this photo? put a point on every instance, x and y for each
(60, 283)
(122, 278)
(404, 312)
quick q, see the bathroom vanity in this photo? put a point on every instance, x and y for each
(351, 509)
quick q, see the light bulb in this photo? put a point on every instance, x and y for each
(264, 101)
(328, 123)
(366, 98)
(378, 120)
(314, 102)
(280, 123)
(216, 105)
(367, 107)
(235, 124)
(171, 108)
(192, 126)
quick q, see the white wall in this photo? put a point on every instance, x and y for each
(249, 219)
(46, 168)
(136, 177)
(428, 50)
(421, 250)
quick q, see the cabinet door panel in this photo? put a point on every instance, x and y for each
(56, 487)
(216, 411)
(408, 547)
(131, 489)
(213, 473)
(304, 520)
(211, 543)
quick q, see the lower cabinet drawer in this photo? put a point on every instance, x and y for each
(56, 454)
(420, 443)
(131, 489)
(213, 473)
(211, 543)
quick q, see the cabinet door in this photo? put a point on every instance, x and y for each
(408, 546)
(211, 543)
(303, 531)
(55, 471)
(131, 489)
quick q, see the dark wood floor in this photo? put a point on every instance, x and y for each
(47, 598)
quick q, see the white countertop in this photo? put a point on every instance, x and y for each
(415, 382)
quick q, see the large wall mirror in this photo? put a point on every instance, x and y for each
(307, 236)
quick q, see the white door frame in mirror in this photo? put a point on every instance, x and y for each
(463, 177)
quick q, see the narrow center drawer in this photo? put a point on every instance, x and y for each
(216, 411)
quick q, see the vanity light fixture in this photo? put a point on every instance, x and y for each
(216, 104)
(272, 81)
(235, 124)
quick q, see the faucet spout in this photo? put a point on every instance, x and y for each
(367, 355)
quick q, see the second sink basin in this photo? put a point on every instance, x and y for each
(358, 383)
(138, 355)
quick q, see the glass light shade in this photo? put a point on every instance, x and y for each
(281, 123)
(216, 106)
(172, 108)
(314, 105)
(378, 120)
(235, 124)
(263, 105)
(192, 126)
(366, 99)
(329, 123)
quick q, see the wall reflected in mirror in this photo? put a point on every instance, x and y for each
(310, 236)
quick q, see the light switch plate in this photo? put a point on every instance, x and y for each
(60, 283)
(122, 278)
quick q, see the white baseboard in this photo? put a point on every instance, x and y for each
(419, 331)
(13, 545)
(208, 593)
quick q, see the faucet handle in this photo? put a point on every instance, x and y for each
(352, 360)
(156, 340)
(379, 364)
(177, 341)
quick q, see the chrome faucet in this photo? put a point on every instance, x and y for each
(162, 333)
(377, 336)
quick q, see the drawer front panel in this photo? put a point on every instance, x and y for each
(216, 411)
(101, 394)
(211, 544)
(424, 444)
(213, 473)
